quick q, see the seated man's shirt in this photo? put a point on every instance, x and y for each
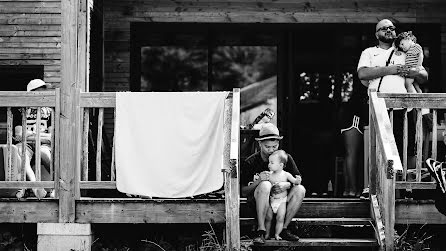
(254, 165)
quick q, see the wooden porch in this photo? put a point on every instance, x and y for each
(76, 175)
(67, 66)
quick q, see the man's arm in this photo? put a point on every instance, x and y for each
(369, 73)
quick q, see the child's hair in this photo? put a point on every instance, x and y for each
(283, 157)
(405, 35)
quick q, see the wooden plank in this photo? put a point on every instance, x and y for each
(415, 100)
(231, 169)
(434, 133)
(99, 144)
(354, 208)
(30, 40)
(28, 211)
(21, 99)
(56, 152)
(77, 140)
(85, 131)
(379, 227)
(418, 213)
(320, 221)
(419, 144)
(53, 137)
(23, 155)
(38, 147)
(405, 143)
(322, 242)
(113, 164)
(9, 122)
(372, 154)
(97, 184)
(98, 99)
(69, 81)
(384, 131)
(27, 184)
(415, 185)
(149, 211)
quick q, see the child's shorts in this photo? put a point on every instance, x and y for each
(30, 148)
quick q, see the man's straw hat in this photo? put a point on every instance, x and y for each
(269, 131)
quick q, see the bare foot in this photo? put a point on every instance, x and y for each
(20, 193)
(39, 193)
(278, 237)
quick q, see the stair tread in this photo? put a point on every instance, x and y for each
(323, 242)
(326, 221)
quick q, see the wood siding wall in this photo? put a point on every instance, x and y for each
(30, 34)
(118, 15)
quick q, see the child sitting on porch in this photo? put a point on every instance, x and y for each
(277, 162)
(45, 136)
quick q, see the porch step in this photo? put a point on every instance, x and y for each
(322, 242)
(322, 221)
(326, 207)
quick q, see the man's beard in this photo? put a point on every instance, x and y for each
(386, 39)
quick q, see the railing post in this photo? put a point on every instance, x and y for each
(231, 167)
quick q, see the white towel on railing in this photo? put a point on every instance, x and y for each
(169, 144)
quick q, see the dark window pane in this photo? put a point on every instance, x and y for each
(174, 68)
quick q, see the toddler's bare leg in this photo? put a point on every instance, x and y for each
(268, 219)
(280, 217)
(408, 83)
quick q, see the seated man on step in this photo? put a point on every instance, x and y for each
(255, 184)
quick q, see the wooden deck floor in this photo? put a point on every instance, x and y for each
(136, 210)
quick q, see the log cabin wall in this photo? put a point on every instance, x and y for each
(30, 35)
(118, 14)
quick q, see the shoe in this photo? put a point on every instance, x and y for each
(260, 239)
(288, 236)
(435, 170)
(365, 194)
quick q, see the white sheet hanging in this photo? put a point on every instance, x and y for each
(169, 144)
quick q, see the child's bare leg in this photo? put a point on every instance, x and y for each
(408, 83)
(280, 217)
(39, 193)
(268, 219)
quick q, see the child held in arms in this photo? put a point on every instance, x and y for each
(277, 162)
(407, 42)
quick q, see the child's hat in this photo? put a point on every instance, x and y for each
(269, 131)
(34, 84)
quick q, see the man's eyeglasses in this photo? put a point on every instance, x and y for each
(385, 28)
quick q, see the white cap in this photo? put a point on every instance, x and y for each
(34, 84)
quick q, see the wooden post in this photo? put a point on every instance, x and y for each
(372, 153)
(231, 167)
(68, 137)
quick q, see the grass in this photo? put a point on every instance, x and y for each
(415, 240)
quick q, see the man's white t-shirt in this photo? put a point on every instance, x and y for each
(376, 56)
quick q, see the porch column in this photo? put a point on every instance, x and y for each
(67, 181)
(63, 236)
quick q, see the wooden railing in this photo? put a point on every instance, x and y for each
(21, 101)
(71, 179)
(387, 169)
